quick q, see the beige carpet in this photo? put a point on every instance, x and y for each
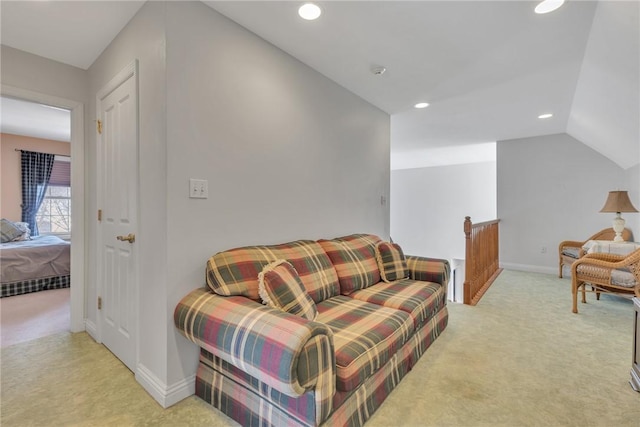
(34, 315)
(519, 358)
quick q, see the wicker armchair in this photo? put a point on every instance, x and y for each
(571, 250)
(617, 274)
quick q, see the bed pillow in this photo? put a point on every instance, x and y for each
(391, 262)
(280, 287)
(8, 231)
(26, 232)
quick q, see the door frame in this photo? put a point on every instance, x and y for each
(129, 71)
(78, 255)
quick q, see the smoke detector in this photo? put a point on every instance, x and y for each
(378, 70)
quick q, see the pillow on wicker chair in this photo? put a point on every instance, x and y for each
(571, 252)
(280, 287)
(391, 262)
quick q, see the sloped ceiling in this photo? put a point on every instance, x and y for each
(488, 68)
(606, 106)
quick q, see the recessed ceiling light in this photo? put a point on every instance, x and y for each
(547, 6)
(421, 105)
(545, 116)
(309, 11)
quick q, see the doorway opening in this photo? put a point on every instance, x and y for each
(74, 310)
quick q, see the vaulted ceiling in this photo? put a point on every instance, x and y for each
(488, 69)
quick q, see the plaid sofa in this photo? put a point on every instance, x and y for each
(263, 366)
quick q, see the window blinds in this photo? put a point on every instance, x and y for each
(61, 174)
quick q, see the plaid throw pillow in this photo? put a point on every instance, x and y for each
(280, 287)
(9, 231)
(391, 262)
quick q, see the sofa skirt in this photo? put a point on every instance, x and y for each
(252, 403)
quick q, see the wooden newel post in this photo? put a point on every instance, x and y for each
(467, 260)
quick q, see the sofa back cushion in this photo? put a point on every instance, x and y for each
(235, 271)
(354, 258)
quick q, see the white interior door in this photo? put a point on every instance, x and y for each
(118, 203)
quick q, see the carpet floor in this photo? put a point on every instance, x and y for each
(518, 358)
(35, 315)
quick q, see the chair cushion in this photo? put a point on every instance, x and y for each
(623, 277)
(354, 259)
(391, 262)
(422, 300)
(571, 252)
(365, 337)
(280, 287)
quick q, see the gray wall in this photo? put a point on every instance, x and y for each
(35, 73)
(633, 185)
(428, 206)
(288, 154)
(551, 188)
(143, 38)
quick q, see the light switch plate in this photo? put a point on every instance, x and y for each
(198, 188)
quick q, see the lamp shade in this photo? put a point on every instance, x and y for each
(618, 201)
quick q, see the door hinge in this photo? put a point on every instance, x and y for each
(99, 303)
(99, 126)
(99, 214)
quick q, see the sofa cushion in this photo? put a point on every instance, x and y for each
(391, 262)
(280, 287)
(354, 258)
(422, 300)
(365, 336)
(235, 272)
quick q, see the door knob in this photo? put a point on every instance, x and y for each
(129, 238)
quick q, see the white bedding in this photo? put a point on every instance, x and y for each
(41, 257)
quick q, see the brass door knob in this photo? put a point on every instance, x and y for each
(129, 238)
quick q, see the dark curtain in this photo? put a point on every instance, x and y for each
(36, 171)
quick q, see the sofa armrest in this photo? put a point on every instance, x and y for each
(284, 351)
(429, 269)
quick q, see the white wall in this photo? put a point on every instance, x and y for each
(144, 39)
(35, 73)
(42, 80)
(551, 188)
(633, 186)
(288, 154)
(428, 206)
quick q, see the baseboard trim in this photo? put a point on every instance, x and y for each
(165, 395)
(91, 329)
(529, 268)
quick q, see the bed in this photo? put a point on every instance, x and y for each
(44, 262)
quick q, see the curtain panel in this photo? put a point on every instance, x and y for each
(36, 172)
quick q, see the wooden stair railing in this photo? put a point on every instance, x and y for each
(482, 264)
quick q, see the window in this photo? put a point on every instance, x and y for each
(54, 215)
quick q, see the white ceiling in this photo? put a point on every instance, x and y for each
(488, 68)
(36, 120)
(73, 32)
